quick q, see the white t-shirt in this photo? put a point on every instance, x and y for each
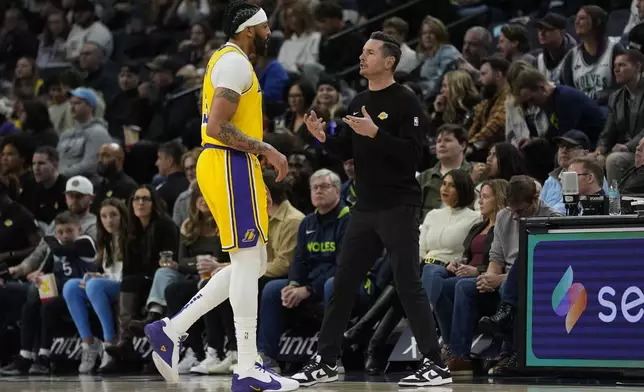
(232, 71)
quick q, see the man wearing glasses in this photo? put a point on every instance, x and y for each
(523, 202)
(573, 144)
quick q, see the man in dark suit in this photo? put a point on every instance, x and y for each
(625, 122)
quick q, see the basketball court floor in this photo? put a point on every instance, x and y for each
(353, 383)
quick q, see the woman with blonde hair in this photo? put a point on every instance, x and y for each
(302, 42)
(189, 164)
(200, 257)
(456, 101)
(452, 288)
(435, 53)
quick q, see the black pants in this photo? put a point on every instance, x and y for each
(396, 230)
(39, 319)
(218, 323)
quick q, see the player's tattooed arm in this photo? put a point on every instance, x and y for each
(223, 109)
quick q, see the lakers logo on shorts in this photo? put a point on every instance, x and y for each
(249, 236)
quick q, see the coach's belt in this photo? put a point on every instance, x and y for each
(433, 260)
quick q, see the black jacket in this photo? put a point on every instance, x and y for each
(624, 124)
(120, 186)
(142, 250)
(633, 182)
(172, 112)
(467, 244)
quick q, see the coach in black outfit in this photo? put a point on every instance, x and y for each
(386, 126)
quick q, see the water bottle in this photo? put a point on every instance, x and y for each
(614, 200)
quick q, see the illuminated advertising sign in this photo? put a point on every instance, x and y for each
(585, 300)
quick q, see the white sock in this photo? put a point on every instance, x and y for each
(44, 352)
(27, 354)
(211, 295)
(246, 267)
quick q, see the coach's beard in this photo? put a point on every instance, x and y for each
(261, 46)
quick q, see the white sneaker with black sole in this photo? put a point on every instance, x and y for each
(316, 371)
(429, 374)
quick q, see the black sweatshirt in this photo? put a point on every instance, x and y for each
(386, 164)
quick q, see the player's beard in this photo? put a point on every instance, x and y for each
(261, 45)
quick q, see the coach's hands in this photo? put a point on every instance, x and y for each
(315, 126)
(278, 161)
(362, 125)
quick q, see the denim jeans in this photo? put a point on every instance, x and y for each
(100, 293)
(271, 313)
(163, 277)
(465, 316)
(510, 289)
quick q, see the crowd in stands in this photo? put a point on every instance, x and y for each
(102, 219)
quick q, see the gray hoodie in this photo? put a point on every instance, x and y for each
(78, 148)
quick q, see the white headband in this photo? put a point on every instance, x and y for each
(258, 18)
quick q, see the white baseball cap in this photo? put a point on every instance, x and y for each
(80, 185)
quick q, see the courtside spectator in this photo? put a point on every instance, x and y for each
(589, 65)
(456, 102)
(488, 125)
(17, 152)
(78, 147)
(567, 108)
(523, 201)
(319, 241)
(451, 142)
(189, 164)
(19, 234)
(435, 53)
(555, 42)
(302, 43)
(151, 232)
(399, 28)
(477, 45)
(16, 41)
(633, 180)
(338, 54)
(625, 122)
(48, 197)
(503, 162)
(35, 122)
(99, 290)
(127, 107)
(284, 222)
(590, 176)
(113, 181)
(87, 28)
(71, 255)
(200, 257)
(300, 170)
(174, 181)
(466, 303)
(572, 145)
(99, 71)
(51, 50)
(514, 44)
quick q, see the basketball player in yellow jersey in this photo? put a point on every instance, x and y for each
(230, 179)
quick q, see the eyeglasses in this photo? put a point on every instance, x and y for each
(519, 213)
(322, 187)
(144, 199)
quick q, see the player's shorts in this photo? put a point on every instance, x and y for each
(232, 184)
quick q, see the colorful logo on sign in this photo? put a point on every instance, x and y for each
(569, 299)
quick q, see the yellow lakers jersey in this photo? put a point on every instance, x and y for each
(248, 118)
